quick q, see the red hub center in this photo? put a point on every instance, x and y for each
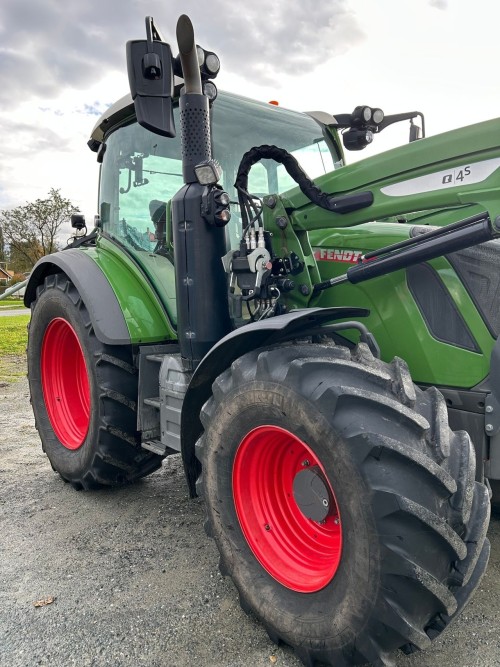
(65, 383)
(277, 506)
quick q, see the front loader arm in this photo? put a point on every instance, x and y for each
(457, 168)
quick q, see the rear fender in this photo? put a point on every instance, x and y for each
(105, 312)
(296, 324)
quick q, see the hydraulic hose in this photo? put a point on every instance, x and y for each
(282, 156)
(335, 203)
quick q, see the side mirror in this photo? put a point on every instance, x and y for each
(151, 79)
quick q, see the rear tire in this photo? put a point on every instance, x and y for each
(397, 482)
(83, 393)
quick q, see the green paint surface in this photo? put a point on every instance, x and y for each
(147, 318)
(395, 319)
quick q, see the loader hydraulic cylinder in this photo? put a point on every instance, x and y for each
(436, 243)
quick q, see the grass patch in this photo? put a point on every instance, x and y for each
(13, 341)
(13, 334)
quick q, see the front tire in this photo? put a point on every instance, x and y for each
(83, 393)
(344, 509)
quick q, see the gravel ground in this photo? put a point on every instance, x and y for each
(135, 580)
(10, 312)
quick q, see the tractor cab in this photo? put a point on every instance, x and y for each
(141, 171)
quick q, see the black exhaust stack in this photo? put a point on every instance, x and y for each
(202, 303)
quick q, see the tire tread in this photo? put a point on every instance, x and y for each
(387, 412)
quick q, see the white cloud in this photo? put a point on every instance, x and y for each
(439, 4)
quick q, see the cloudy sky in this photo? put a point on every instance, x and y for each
(63, 63)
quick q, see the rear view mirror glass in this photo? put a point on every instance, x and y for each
(149, 65)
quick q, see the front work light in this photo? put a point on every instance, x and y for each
(210, 90)
(364, 116)
(209, 63)
(208, 172)
(356, 140)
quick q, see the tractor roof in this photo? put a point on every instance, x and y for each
(123, 109)
(120, 110)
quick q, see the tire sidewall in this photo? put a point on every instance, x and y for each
(351, 595)
(56, 303)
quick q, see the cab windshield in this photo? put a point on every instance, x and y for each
(142, 171)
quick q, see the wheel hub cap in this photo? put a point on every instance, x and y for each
(310, 492)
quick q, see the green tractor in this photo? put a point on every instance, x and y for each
(305, 352)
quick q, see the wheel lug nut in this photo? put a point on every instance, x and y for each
(267, 526)
(336, 521)
(305, 463)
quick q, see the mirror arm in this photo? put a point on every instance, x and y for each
(152, 32)
(398, 117)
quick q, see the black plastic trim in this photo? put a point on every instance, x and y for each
(455, 263)
(473, 423)
(351, 202)
(464, 399)
(455, 331)
(491, 385)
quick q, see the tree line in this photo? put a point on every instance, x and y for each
(29, 232)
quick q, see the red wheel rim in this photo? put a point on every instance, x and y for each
(300, 553)
(65, 383)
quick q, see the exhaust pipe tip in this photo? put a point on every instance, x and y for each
(185, 35)
(188, 55)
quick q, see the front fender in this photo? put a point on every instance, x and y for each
(267, 332)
